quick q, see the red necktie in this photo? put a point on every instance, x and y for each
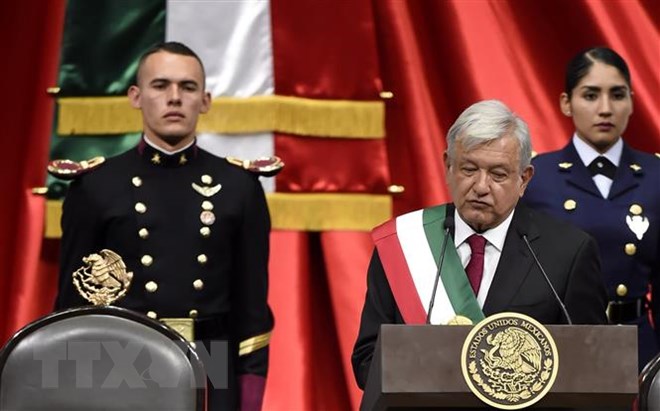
(475, 268)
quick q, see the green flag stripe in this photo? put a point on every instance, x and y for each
(101, 45)
(453, 275)
(102, 42)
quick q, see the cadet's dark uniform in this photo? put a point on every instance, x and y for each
(199, 252)
(563, 186)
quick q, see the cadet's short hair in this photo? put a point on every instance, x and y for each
(173, 47)
(486, 121)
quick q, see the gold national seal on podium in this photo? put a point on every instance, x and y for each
(509, 361)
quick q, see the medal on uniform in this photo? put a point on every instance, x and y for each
(207, 217)
(637, 222)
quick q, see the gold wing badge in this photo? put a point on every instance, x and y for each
(103, 279)
(207, 191)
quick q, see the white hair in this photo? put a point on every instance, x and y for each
(486, 121)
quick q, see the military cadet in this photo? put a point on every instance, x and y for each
(192, 227)
(602, 185)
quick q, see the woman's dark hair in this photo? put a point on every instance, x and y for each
(580, 65)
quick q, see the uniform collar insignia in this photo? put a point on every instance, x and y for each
(163, 159)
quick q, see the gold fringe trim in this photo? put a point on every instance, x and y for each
(253, 344)
(232, 115)
(300, 212)
(52, 228)
(328, 211)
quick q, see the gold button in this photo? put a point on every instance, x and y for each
(146, 260)
(636, 209)
(151, 286)
(137, 181)
(207, 205)
(140, 208)
(205, 231)
(630, 249)
(207, 179)
(152, 315)
(193, 313)
(198, 284)
(621, 290)
(143, 233)
(569, 205)
(202, 259)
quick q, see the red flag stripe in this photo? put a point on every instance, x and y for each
(398, 274)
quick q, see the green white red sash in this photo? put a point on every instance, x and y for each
(409, 249)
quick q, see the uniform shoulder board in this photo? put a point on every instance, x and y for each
(70, 170)
(262, 166)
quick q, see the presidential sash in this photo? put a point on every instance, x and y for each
(409, 250)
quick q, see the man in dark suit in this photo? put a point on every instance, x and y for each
(488, 267)
(192, 227)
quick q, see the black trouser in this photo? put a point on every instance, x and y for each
(212, 329)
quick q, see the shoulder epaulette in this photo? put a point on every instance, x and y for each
(69, 169)
(262, 166)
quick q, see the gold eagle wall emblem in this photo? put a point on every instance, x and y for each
(103, 279)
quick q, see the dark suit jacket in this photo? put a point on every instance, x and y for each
(568, 255)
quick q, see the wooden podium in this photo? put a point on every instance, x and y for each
(417, 366)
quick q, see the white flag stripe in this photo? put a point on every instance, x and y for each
(241, 146)
(422, 265)
(233, 39)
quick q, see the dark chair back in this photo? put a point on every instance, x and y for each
(649, 386)
(100, 358)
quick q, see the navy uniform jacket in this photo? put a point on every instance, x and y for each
(563, 186)
(142, 205)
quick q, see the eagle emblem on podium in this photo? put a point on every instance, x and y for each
(509, 361)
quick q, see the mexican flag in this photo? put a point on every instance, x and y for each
(285, 81)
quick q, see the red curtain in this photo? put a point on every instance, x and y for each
(437, 57)
(27, 276)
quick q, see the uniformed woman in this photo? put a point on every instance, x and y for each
(602, 185)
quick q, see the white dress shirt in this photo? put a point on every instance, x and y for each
(494, 243)
(588, 154)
